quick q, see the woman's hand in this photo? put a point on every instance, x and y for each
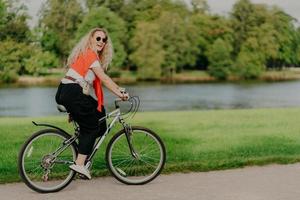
(125, 95)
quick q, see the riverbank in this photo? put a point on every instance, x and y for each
(193, 76)
(195, 140)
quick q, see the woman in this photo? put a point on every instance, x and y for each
(80, 91)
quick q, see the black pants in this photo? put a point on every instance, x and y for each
(83, 109)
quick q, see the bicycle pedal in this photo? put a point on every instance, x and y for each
(82, 177)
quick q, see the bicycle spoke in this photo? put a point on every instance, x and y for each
(148, 163)
(141, 168)
(42, 170)
(158, 159)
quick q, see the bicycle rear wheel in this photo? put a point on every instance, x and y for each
(44, 161)
(141, 167)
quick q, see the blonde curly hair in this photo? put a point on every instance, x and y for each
(105, 55)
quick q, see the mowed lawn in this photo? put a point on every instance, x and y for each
(195, 140)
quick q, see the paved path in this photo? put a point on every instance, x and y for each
(273, 182)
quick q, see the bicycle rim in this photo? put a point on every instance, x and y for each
(145, 166)
(43, 171)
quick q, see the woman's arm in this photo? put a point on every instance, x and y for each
(109, 83)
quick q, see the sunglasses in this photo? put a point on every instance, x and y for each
(104, 40)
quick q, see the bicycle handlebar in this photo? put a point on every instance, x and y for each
(134, 102)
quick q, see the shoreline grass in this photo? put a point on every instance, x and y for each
(195, 140)
(187, 76)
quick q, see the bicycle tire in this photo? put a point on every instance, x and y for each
(119, 173)
(22, 170)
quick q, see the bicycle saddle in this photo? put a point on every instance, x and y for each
(61, 108)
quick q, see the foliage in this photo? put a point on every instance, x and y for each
(208, 30)
(287, 38)
(149, 54)
(252, 38)
(178, 43)
(274, 30)
(103, 17)
(12, 59)
(13, 23)
(113, 5)
(20, 58)
(249, 63)
(58, 24)
(40, 61)
(219, 56)
(243, 20)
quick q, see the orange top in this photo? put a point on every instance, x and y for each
(82, 65)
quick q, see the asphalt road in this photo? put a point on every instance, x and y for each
(273, 182)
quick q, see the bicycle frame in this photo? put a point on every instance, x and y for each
(126, 127)
(117, 116)
(101, 139)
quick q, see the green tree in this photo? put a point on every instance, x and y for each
(94, 3)
(243, 19)
(113, 5)
(267, 44)
(208, 30)
(250, 62)
(287, 38)
(149, 54)
(178, 40)
(13, 23)
(174, 38)
(103, 17)
(12, 59)
(40, 62)
(3, 14)
(58, 24)
(297, 47)
(220, 61)
(248, 65)
(274, 29)
(134, 11)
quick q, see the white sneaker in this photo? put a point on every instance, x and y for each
(81, 170)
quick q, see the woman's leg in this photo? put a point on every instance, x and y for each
(86, 143)
(80, 159)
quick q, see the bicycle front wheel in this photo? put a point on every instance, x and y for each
(138, 165)
(44, 161)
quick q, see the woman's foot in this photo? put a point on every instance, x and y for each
(81, 170)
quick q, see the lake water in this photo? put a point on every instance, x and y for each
(39, 101)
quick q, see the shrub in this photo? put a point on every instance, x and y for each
(40, 61)
(12, 57)
(249, 65)
(219, 56)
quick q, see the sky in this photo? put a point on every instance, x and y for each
(223, 7)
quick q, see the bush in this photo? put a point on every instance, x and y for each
(249, 65)
(8, 76)
(219, 56)
(149, 54)
(19, 58)
(40, 61)
(12, 58)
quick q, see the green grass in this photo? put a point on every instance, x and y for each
(195, 140)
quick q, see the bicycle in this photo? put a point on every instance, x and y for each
(135, 155)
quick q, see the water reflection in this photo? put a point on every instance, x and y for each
(40, 101)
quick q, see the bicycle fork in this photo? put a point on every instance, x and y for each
(128, 133)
